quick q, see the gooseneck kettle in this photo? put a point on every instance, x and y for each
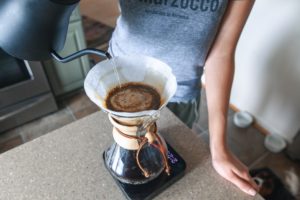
(37, 29)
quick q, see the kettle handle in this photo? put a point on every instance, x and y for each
(80, 53)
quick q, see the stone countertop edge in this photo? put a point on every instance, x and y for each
(67, 164)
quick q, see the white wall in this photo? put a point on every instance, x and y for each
(267, 79)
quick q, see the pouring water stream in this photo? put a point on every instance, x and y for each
(152, 117)
(113, 63)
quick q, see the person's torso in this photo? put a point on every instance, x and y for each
(178, 32)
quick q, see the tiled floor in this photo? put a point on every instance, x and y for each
(73, 107)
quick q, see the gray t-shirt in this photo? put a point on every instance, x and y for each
(178, 32)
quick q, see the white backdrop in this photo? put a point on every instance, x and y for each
(267, 79)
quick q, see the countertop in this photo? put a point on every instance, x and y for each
(67, 164)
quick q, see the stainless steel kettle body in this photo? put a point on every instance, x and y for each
(32, 29)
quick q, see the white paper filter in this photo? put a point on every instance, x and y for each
(101, 79)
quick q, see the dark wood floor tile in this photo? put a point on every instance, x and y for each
(86, 111)
(11, 143)
(46, 124)
(78, 101)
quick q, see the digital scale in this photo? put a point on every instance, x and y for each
(151, 189)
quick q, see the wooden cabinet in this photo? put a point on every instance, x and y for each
(66, 77)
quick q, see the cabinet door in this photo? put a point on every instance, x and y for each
(65, 77)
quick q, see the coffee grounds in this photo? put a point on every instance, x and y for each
(133, 97)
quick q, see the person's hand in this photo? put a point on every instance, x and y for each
(229, 167)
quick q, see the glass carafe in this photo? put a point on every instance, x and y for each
(139, 153)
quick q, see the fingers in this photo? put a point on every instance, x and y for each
(244, 174)
(245, 186)
(252, 182)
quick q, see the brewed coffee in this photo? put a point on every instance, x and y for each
(133, 97)
(125, 167)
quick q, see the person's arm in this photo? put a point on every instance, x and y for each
(219, 71)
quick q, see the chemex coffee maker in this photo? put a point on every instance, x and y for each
(139, 160)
